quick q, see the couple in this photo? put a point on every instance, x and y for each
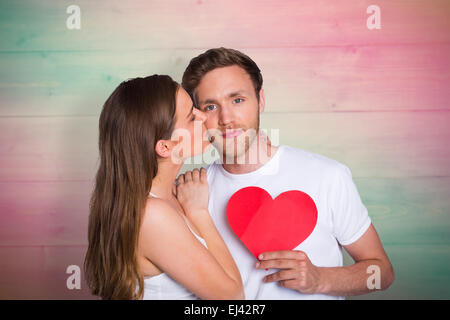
(153, 235)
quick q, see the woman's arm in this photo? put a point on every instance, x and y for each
(193, 194)
(168, 243)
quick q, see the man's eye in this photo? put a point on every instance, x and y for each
(238, 100)
(210, 107)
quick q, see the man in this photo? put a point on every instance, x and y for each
(227, 85)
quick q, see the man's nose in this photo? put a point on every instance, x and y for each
(225, 116)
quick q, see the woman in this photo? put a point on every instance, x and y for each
(147, 238)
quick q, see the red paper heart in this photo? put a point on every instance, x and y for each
(265, 224)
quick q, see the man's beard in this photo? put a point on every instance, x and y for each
(233, 150)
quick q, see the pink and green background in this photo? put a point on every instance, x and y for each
(375, 100)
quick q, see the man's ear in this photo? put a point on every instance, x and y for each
(262, 101)
(163, 148)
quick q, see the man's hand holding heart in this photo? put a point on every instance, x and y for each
(270, 227)
(296, 270)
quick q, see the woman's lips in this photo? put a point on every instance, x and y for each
(231, 133)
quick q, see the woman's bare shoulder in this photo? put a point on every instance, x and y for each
(162, 227)
(157, 209)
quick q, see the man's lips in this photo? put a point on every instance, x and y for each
(231, 133)
(226, 134)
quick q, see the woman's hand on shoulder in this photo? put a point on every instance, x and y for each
(193, 193)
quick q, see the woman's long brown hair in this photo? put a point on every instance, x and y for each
(138, 113)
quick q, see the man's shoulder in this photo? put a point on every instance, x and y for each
(310, 160)
(210, 169)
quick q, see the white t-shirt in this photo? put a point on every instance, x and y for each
(342, 217)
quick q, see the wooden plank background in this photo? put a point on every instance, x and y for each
(375, 100)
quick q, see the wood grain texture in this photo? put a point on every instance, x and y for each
(118, 25)
(349, 78)
(44, 213)
(377, 101)
(38, 272)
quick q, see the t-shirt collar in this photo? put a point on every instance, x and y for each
(268, 167)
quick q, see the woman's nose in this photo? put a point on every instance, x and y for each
(201, 115)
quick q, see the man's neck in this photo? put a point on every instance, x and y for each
(260, 150)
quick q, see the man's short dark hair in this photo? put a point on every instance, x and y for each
(218, 58)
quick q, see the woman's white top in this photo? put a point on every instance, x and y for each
(163, 287)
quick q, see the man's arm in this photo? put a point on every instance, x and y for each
(298, 273)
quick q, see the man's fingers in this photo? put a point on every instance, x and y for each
(281, 275)
(291, 284)
(277, 264)
(283, 254)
